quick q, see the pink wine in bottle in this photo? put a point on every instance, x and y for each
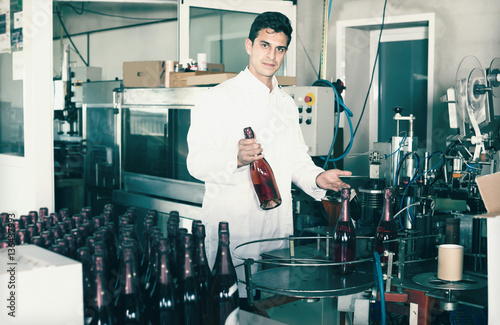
(344, 238)
(386, 230)
(263, 180)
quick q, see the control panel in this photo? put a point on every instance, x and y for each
(316, 107)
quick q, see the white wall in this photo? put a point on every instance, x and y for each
(462, 28)
(109, 49)
(108, 44)
(27, 183)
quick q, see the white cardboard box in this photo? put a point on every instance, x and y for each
(47, 287)
(489, 187)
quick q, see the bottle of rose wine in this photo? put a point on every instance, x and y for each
(224, 293)
(202, 270)
(263, 180)
(162, 307)
(187, 290)
(344, 238)
(223, 226)
(128, 303)
(386, 230)
(102, 298)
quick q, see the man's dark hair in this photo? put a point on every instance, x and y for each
(272, 20)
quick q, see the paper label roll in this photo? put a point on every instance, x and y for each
(450, 262)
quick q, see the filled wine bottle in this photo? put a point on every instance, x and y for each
(102, 299)
(161, 303)
(172, 229)
(153, 267)
(146, 256)
(386, 230)
(224, 294)
(43, 212)
(187, 290)
(63, 213)
(22, 237)
(128, 304)
(4, 218)
(86, 212)
(181, 232)
(263, 180)
(344, 237)
(223, 226)
(26, 220)
(32, 230)
(84, 256)
(202, 271)
(34, 216)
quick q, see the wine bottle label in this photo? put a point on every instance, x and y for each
(232, 289)
(353, 194)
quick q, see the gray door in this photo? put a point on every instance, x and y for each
(403, 82)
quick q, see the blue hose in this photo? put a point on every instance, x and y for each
(380, 282)
(348, 115)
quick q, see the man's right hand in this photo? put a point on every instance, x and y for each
(248, 151)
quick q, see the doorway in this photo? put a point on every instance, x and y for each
(402, 81)
(403, 76)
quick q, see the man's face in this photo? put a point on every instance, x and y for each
(266, 53)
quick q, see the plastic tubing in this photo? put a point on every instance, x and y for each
(380, 280)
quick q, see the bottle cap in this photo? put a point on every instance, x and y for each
(248, 133)
(163, 245)
(98, 262)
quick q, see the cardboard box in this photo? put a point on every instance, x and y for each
(286, 81)
(40, 287)
(179, 79)
(144, 74)
(213, 78)
(217, 78)
(489, 187)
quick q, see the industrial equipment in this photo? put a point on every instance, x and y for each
(436, 200)
(152, 130)
(317, 117)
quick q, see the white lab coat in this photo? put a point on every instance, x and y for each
(217, 123)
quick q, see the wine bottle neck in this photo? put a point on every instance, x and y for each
(226, 263)
(188, 266)
(387, 213)
(129, 277)
(165, 276)
(248, 133)
(345, 210)
(387, 210)
(101, 288)
(201, 257)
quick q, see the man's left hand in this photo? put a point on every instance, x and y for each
(330, 180)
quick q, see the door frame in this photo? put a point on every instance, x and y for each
(28, 181)
(395, 28)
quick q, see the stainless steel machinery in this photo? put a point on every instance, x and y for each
(153, 148)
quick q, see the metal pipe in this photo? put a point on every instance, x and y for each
(324, 40)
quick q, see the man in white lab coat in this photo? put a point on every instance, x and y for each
(219, 156)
